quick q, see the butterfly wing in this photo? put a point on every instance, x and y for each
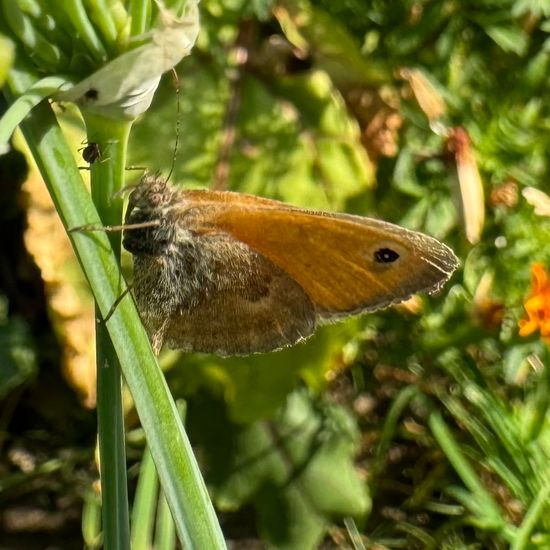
(237, 302)
(245, 316)
(346, 264)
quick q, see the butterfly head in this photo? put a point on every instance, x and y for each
(151, 194)
(148, 229)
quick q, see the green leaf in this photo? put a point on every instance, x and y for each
(296, 468)
(441, 217)
(509, 38)
(23, 105)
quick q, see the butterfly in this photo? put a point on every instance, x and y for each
(233, 274)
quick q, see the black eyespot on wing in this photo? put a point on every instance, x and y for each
(385, 256)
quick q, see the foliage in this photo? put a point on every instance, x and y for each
(347, 106)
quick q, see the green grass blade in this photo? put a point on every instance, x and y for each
(23, 105)
(463, 468)
(145, 504)
(165, 532)
(533, 515)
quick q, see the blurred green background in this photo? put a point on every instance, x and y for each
(422, 426)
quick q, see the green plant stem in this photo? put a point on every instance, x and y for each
(165, 532)
(102, 18)
(107, 177)
(140, 13)
(145, 504)
(85, 29)
(110, 422)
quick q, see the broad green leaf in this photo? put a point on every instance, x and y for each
(298, 463)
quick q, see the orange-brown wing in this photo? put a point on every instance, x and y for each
(346, 264)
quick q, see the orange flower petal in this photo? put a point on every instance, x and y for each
(536, 301)
(527, 327)
(539, 278)
(537, 305)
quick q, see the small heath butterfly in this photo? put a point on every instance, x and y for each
(231, 274)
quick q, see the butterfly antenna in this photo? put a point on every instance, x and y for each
(176, 143)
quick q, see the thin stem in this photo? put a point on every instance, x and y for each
(145, 503)
(140, 11)
(86, 31)
(102, 18)
(106, 179)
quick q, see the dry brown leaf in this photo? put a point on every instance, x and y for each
(428, 98)
(471, 186)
